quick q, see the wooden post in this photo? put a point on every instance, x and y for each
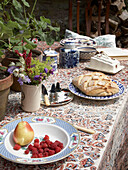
(88, 17)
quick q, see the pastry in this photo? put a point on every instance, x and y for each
(102, 62)
(96, 84)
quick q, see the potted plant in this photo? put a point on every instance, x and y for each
(6, 81)
(30, 73)
(18, 29)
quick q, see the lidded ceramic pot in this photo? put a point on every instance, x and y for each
(53, 56)
(69, 56)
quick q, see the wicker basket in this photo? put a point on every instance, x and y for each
(85, 53)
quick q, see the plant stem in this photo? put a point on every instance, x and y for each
(33, 7)
(25, 13)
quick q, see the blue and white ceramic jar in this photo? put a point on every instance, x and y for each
(68, 58)
(53, 56)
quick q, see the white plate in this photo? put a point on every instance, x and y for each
(77, 92)
(79, 41)
(111, 72)
(56, 129)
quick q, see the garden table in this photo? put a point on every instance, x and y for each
(108, 118)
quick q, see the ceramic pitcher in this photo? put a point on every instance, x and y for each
(30, 97)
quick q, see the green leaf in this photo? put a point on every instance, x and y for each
(1, 7)
(43, 36)
(19, 48)
(17, 5)
(26, 34)
(56, 29)
(3, 68)
(25, 3)
(15, 41)
(17, 18)
(29, 46)
(30, 42)
(43, 19)
(5, 30)
(1, 52)
(13, 24)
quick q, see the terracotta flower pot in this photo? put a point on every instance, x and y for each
(4, 92)
(30, 97)
(6, 61)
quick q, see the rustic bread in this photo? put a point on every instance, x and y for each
(96, 84)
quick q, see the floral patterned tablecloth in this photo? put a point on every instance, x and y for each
(107, 118)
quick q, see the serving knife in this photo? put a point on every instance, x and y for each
(84, 129)
(45, 94)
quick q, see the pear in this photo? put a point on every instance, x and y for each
(23, 133)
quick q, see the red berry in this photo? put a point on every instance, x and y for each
(40, 155)
(46, 137)
(57, 149)
(61, 145)
(26, 151)
(35, 151)
(36, 141)
(44, 145)
(48, 142)
(53, 146)
(45, 154)
(51, 152)
(30, 147)
(42, 142)
(57, 142)
(37, 145)
(34, 148)
(46, 149)
(41, 150)
(16, 147)
(34, 155)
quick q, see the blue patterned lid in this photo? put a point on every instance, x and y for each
(50, 52)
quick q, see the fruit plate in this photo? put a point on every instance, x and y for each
(56, 129)
(77, 92)
(64, 97)
(78, 41)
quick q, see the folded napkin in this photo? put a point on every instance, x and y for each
(107, 40)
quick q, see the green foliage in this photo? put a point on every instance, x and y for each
(18, 27)
(38, 68)
(3, 68)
